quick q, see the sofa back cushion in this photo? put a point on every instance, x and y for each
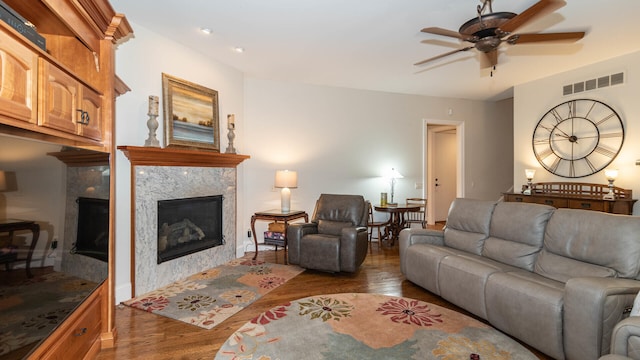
(516, 233)
(604, 244)
(341, 209)
(468, 224)
(329, 227)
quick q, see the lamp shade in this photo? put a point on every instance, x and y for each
(3, 181)
(529, 173)
(394, 174)
(286, 179)
(611, 174)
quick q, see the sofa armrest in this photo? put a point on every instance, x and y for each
(626, 338)
(409, 237)
(354, 244)
(592, 307)
(295, 232)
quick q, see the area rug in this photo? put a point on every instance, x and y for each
(208, 298)
(31, 310)
(367, 326)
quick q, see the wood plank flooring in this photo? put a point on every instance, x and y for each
(142, 335)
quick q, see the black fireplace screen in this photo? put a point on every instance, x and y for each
(93, 228)
(188, 225)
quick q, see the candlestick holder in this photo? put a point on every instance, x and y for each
(152, 124)
(231, 136)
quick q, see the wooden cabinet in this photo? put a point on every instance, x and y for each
(577, 196)
(18, 82)
(67, 105)
(81, 333)
(66, 95)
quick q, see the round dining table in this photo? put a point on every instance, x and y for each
(396, 221)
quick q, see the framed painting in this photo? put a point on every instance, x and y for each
(190, 114)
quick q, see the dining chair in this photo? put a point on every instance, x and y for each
(378, 225)
(417, 217)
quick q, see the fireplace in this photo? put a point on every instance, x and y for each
(188, 225)
(93, 228)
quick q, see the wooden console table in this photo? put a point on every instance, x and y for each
(11, 225)
(276, 215)
(577, 196)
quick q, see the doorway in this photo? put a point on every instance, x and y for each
(444, 166)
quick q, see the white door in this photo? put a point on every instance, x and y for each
(444, 172)
(444, 160)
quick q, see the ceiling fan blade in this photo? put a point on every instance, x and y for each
(530, 38)
(445, 32)
(443, 55)
(541, 6)
(489, 59)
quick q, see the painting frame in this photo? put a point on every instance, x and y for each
(191, 118)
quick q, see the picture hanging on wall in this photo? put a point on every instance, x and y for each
(190, 114)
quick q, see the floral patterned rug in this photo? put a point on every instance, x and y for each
(367, 326)
(208, 298)
(31, 310)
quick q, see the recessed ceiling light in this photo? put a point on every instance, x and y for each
(238, 49)
(205, 30)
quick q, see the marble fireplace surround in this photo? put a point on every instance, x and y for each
(161, 174)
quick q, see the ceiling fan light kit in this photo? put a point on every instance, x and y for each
(487, 31)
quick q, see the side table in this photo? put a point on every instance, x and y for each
(11, 225)
(276, 215)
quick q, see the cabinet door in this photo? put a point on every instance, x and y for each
(91, 104)
(58, 99)
(18, 80)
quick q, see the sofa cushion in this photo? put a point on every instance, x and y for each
(462, 278)
(516, 233)
(468, 224)
(330, 227)
(560, 268)
(422, 264)
(527, 306)
(322, 252)
(338, 207)
(592, 237)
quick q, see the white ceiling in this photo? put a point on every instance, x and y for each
(373, 44)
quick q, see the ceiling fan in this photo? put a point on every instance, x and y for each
(487, 31)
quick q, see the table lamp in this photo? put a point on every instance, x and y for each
(529, 173)
(611, 175)
(286, 180)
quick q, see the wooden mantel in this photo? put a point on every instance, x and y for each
(152, 156)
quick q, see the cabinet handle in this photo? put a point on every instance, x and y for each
(548, 202)
(81, 332)
(84, 117)
(586, 205)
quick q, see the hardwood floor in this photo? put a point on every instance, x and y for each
(143, 335)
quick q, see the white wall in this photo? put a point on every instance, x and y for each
(339, 140)
(343, 140)
(534, 99)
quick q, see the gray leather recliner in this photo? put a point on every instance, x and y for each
(336, 238)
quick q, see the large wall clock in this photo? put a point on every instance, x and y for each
(578, 138)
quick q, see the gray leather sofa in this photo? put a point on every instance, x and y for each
(336, 239)
(557, 279)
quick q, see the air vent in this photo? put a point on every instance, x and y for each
(617, 79)
(593, 84)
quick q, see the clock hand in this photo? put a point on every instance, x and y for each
(551, 130)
